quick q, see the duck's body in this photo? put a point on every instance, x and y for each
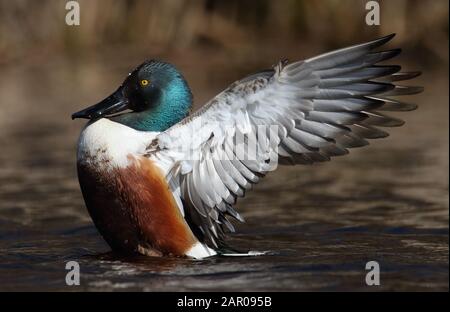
(127, 194)
(158, 183)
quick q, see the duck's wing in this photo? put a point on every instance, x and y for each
(320, 107)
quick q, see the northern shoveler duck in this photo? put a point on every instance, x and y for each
(158, 181)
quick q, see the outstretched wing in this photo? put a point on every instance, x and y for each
(299, 113)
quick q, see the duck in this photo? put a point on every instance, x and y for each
(161, 181)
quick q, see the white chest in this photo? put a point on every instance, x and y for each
(108, 143)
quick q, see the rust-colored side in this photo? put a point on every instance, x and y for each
(134, 209)
(143, 188)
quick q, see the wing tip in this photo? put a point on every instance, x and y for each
(396, 51)
(413, 74)
(388, 37)
(383, 40)
(411, 107)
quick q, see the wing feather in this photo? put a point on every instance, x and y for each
(299, 113)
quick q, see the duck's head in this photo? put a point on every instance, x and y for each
(155, 93)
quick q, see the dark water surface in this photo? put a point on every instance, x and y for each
(387, 202)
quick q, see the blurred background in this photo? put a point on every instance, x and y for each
(213, 42)
(388, 201)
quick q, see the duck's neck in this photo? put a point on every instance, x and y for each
(173, 105)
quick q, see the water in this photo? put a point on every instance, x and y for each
(387, 202)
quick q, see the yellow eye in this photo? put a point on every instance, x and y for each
(144, 82)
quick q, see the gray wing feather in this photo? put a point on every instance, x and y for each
(322, 106)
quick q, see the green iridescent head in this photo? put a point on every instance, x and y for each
(156, 94)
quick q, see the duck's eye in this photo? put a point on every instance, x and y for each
(144, 82)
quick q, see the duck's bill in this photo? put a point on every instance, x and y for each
(115, 103)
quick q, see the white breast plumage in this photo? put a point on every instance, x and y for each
(108, 143)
